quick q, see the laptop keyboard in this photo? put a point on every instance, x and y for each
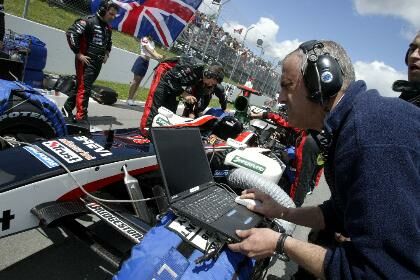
(208, 205)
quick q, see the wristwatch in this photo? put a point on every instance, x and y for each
(280, 246)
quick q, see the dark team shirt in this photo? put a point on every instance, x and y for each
(182, 77)
(90, 36)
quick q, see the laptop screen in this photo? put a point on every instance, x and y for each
(182, 160)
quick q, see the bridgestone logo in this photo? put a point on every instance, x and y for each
(115, 222)
(249, 164)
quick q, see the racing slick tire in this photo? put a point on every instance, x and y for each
(24, 121)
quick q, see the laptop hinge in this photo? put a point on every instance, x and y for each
(200, 188)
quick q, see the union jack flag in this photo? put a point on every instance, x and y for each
(164, 20)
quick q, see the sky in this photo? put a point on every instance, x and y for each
(375, 33)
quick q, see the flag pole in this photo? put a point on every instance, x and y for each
(237, 58)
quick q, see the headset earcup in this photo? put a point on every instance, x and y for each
(406, 56)
(330, 75)
(311, 79)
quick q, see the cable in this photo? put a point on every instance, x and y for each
(214, 151)
(226, 187)
(75, 179)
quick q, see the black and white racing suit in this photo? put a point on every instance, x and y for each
(173, 83)
(204, 100)
(89, 36)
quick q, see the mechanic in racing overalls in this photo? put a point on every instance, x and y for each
(175, 83)
(90, 40)
(305, 162)
(203, 101)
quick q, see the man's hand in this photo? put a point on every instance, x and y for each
(269, 208)
(83, 58)
(257, 242)
(190, 99)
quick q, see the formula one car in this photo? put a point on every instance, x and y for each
(112, 174)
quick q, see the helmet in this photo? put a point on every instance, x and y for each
(227, 127)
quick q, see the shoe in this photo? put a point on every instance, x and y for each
(68, 114)
(130, 102)
(83, 123)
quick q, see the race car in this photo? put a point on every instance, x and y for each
(51, 176)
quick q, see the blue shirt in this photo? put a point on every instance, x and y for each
(374, 175)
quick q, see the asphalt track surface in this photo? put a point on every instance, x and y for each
(54, 255)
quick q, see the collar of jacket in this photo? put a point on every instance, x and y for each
(333, 119)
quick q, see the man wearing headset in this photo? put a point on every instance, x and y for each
(410, 90)
(181, 81)
(90, 40)
(373, 173)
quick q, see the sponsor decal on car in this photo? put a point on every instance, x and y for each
(220, 173)
(47, 161)
(249, 164)
(5, 219)
(115, 222)
(162, 122)
(138, 139)
(93, 146)
(62, 151)
(77, 149)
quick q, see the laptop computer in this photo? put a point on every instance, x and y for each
(190, 187)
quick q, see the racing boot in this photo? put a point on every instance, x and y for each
(68, 114)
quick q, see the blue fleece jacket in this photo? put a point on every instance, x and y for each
(374, 179)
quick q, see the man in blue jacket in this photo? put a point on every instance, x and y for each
(371, 149)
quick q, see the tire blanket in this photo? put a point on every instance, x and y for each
(156, 257)
(48, 108)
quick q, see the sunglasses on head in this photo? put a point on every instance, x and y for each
(212, 75)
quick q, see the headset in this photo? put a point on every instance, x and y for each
(218, 76)
(104, 7)
(406, 56)
(322, 74)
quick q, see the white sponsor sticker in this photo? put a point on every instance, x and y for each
(62, 151)
(198, 237)
(93, 146)
(77, 149)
